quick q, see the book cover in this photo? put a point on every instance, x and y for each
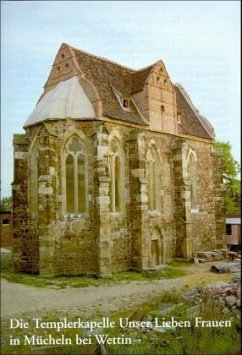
(120, 200)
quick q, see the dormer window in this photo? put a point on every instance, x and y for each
(124, 102)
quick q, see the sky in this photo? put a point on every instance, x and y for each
(199, 42)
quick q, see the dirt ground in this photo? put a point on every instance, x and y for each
(19, 300)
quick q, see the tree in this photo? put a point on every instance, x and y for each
(6, 204)
(231, 170)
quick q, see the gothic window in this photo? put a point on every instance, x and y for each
(152, 179)
(75, 176)
(192, 173)
(115, 163)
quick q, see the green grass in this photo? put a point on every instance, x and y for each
(5, 264)
(180, 264)
(190, 341)
(167, 272)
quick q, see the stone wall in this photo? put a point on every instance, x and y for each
(208, 226)
(121, 243)
(196, 229)
(25, 251)
(75, 247)
(68, 243)
(203, 221)
(100, 241)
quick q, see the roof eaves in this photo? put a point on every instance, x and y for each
(139, 112)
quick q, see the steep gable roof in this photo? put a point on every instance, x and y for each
(110, 82)
(104, 74)
(191, 121)
(138, 79)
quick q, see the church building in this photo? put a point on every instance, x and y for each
(116, 171)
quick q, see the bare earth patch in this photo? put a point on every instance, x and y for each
(18, 299)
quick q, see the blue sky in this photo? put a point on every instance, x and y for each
(199, 42)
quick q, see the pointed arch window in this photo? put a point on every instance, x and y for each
(152, 179)
(115, 163)
(192, 174)
(76, 178)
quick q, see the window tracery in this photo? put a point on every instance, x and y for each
(192, 175)
(152, 176)
(115, 165)
(76, 178)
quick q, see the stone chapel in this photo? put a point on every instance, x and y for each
(116, 171)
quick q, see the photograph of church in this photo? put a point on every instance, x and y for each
(116, 171)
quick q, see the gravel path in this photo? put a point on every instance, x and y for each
(18, 299)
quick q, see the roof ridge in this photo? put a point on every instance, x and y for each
(145, 68)
(100, 58)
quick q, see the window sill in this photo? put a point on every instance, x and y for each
(76, 216)
(154, 213)
(117, 214)
(126, 109)
(194, 210)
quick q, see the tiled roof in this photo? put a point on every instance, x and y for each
(138, 79)
(113, 81)
(191, 121)
(104, 74)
